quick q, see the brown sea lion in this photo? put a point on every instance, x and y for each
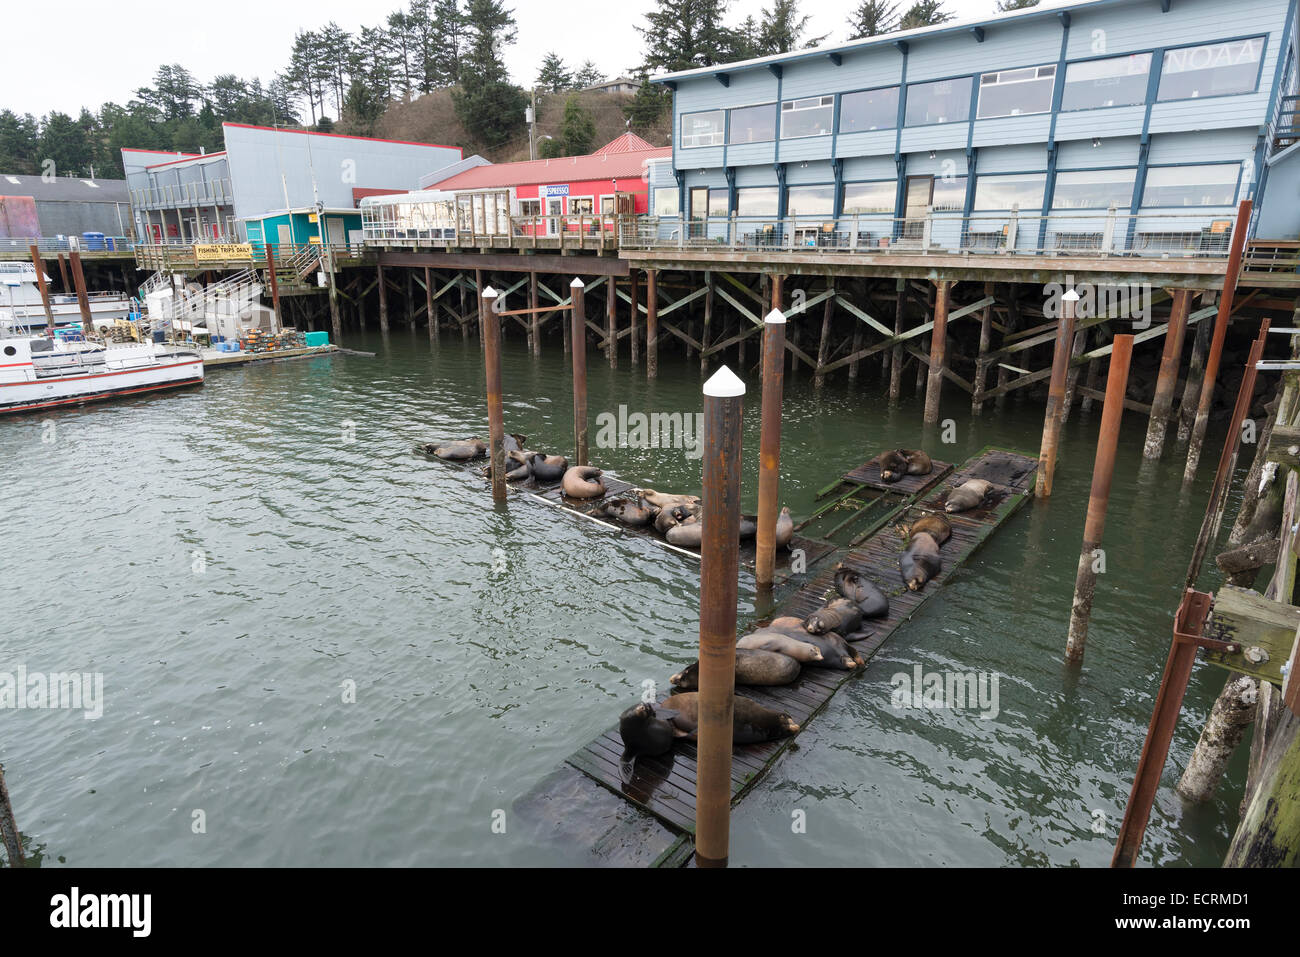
(836, 653)
(584, 481)
(686, 534)
(918, 461)
(748, 526)
(458, 450)
(841, 615)
(933, 524)
(518, 468)
(664, 500)
(920, 562)
(784, 527)
(896, 463)
(633, 513)
(754, 666)
(548, 468)
(797, 648)
(645, 730)
(969, 495)
(871, 601)
(668, 517)
(751, 722)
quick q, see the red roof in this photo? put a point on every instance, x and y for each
(624, 158)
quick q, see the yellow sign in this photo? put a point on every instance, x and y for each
(313, 240)
(311, 217)
(217, 252)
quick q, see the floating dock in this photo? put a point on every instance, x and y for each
(643, 812)
(212, 359)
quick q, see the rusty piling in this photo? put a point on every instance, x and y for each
(1085, 583)
(724, 396)
(769, 450)
(1167, 377)
(45, 290)
(274, 283)
(651, 324)
(496, 421)
(383, 297)
(578, 323)
(938, 352)
(1056, 397)
(83, 300)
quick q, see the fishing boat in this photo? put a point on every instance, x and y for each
(20, 302)
(42, 372)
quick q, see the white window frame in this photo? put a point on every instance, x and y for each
(810, 103)
(718, 138)
(1006, 78)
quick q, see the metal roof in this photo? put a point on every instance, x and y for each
(64, 189)
(625, 164)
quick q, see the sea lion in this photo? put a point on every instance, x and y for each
(871, 601)
(458, 450)
(918, 461)
(896, 463)
(920, 562)
(664, 500)
(668, 517)
(513, 443)
(548, 468)
(751, 722)
(754, 666)
(784, 527)
(841, 615)
(518, 468)
(584, 481)
(646, 730)
(836, 653)
(748, 526)
(797, 648)
(634, 514)
(686, 534)
(933, 524)
(969, 495)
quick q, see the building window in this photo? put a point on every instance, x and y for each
(666, 201)
(811, 116)
(870, 197)
(1014, 92)
(702, 129)
(949, 194)
(810, 200)
(1191, 185)
(753, 124)
(1023, 190)
(944, 101)
(607, 207)
(1094, 189)
(1114, 81)
(580, 206)
(718, 203)
(756, 201)
(1215, 69)
(530, 207)
(869, 110)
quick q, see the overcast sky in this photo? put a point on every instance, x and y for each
(78, 53)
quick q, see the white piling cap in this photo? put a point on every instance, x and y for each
(489, 291)
(724, 384)
(1071, 296)
(577, 283)
(776, 315)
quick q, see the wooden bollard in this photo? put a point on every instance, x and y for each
(83, 300)
(1085, 583)
(651, 324)
(1056, 397)
(1216, 345)
(724, 395)
(1167, 378)
(496, 421)
(938, 353)
(45, 290)
(769, 448)
(578, 323)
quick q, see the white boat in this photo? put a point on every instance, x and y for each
(39, 373)
(20, 302)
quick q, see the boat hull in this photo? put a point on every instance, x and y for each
(44, 394)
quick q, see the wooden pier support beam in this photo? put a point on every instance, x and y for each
(1085, 583)
(578, 323)
(981, 363)
(1195, 373)
(819, 376)
(430, 306)
(769, 451)
(611, 321)
(496, 421)
(651, 324)
(1167, 378)
(1233, 711)
(938, 352)
(535, 327)
(1220, 333)
(383, 297)
(724, 397)
(83, 300)
(634, 287)
(896, 357)
(63, 274)
(9, 835)
(1055, 415)
(45, 291)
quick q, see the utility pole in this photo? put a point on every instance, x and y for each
(531, 116)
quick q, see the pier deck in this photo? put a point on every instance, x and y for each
(212, 359)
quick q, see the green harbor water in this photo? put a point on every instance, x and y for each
(236, 559)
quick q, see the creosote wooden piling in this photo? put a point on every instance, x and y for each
(719, 564)
(9, 834)
(651, 325)
(578, 323)
(1085, 583)
(769, 451)
(383, 297)
(1056, 397)
(83, 301)
(1167, 378)
(611, 322)
(45, 291)
(496, 421)
(938, 353)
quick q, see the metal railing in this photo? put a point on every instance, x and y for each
(64, 244)
(212, 192)
(1100, 233)
(569, 231)
(177, 256)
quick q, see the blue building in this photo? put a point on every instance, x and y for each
(1109, 125)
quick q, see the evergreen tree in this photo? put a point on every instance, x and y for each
(1004, 6)
(489, 106)
(647, 106)
(64, 142)
(783, 28)
(577, 129)
(553, 76)
(18, 143)
(684, 34)
(924, 13)
(361, 108)
(334, 45)
(448, 43)
(746, 40)
(587, 75)
(872, 18)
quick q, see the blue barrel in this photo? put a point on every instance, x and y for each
(92, 241)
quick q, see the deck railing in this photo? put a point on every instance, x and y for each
(181, 256)
(570, 231)
(62, 244)
(1082, 233)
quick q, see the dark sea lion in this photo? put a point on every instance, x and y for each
(893, 465)
(871, 601)
(646, 730)
(459, 450)
(920, 562)
(836, 653)
(584, 481)
(548, 468)
(969, 495)
(841, 615)
(513, 443)
(784, 528)
(933, 524)
(664, 500)
(918, 462)
(686, 534)
(668, 517)
(634, 514)
(754, 666)
(797, 648)
(748, 526)
(751, 722)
